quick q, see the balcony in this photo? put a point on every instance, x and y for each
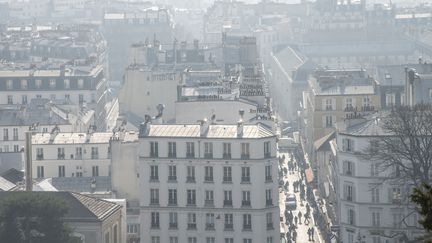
(191, 226)
(154, 155)
(154, 201)
(210, 226)
(94, 155)
(227, 179)
(154, 225)
(229, 227)
(60, 156)
(39, 157)
(227, 203)
(172, 226)
(209, 203)
(368, 108)
(226, 156)
(269, 226)
(172, 178)
(269, 202)
(191, 203)
(247, 227)
(245, 156)
(190, 179)
(154, 178)
(267, 155)
(246, 203)
(245, 179)
(172, 155)
(208, 179)
(172, 202)
(208, 155)
(268, 179)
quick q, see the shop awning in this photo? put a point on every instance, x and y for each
(309, 175)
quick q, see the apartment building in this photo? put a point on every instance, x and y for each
(60, 154)
(208, 183)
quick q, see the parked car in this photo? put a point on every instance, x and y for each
(291, 201)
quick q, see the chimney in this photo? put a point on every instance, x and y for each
(240, 124)
(204, 125)
(158, 118)
(28, 162)
(145, 126)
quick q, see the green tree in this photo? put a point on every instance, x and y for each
(33, 217)
(422, 196)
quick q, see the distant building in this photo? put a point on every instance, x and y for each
(29, 9)
(232, 196)
(92, 220)
(60, 154)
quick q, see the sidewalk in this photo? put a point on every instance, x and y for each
(302, 236)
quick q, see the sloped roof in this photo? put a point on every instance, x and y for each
(13, 175)
(82, 208)
(6, 185)
(288, 60)
(322, 143)
(9, 160)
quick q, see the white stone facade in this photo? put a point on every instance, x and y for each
(208, 184)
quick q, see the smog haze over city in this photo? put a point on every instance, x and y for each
(215, 121)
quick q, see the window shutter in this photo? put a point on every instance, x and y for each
(344, 144)
(333, 101)
(344, 167)
(345, 192)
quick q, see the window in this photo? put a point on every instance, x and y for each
(24, 99)
(133, 228)
(328, 104)
(374, 169)
(10, 99)
(397, 171)
(268, 174)
(80, 98)
(15, 134)
(229, 240)
(366, 102)
(172, 173)
(61, 171)
(376, 219)
(9, 84)
(396, 195)
(349, 104)
(154, 151)
(38, 96)
(154, 196)
(155, 220)
(349, 192)
(227, 198)
(402, 99)
(154, 174)
(80, 83)
(208, 198)
(172, 197)
(270, 239)
(269, 200)
(351, 216)
(115, 234)
(328, 121)
(38, 83)
(375, 195)
(52, 83)
(191, 197)
(246, 201)
(247, 222)
(66, 83)
(172, 149)
(210, 240)
(190, 174)
(390, 99)
(267, 153)
(155, 239)
(227, 176)
(190, 150)
(269, 220)
(67, 97)
(78, 171)
(173, 239)
(208, 170)
(107, 238)
(24, 84)
(376, 239)
(95, 153)
(192, 240)
(245, 177)
(5, 134)
(348, 168)
(210, 221)
(208, 150)
(39, 154)
(347, 145)
(60, 153)
(191, 221)
(40, 172)
(245, 151)
(16, 148)
(78, 153)
(397, 219)
(173, 220)
(228, 221)
(226, 150)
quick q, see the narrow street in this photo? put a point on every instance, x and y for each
(301, 229)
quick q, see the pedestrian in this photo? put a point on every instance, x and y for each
(299, 216)
(306, 218)
(309, 234)
(307, 208)
(294, 235)
(312, 233)
(295, 220)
